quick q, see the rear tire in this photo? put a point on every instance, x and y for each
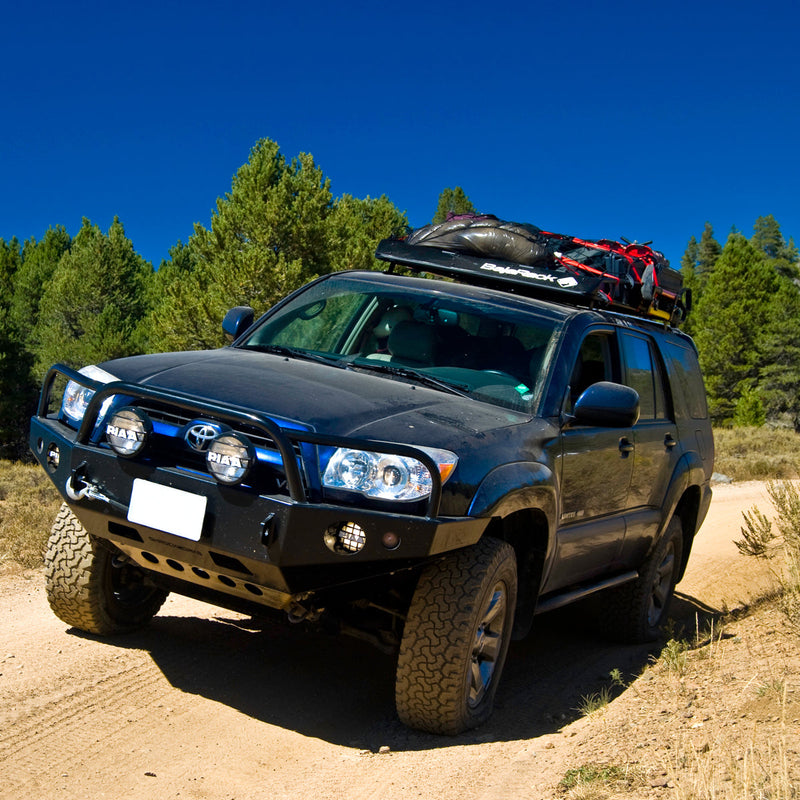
(90, 587)
(636, 611)
(456, 638)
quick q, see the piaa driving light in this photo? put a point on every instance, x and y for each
(230, 457)
(386, 476)
(128, 431)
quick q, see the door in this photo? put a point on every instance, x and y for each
(655, 439)
(596, 467)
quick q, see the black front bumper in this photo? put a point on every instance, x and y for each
(264, 548)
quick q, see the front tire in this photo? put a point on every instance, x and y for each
(456, 638)
(89, 587)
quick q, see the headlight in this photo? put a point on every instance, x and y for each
(77, 397)
(384, 476)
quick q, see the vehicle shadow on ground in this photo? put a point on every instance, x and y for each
(342, 690)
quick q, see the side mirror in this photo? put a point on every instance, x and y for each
(607, 405)
(237, 321)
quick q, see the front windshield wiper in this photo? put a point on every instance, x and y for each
(460, 389)
(294, 352)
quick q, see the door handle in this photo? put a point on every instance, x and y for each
(669, 442)
(625, 446)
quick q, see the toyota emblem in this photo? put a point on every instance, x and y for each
(200, 435)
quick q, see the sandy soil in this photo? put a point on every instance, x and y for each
(203, 705)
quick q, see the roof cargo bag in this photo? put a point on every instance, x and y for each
(625, 276)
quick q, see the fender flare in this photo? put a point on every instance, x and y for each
(514, 487)
(519, 486)
(689, 472)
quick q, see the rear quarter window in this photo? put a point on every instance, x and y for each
(686, 381)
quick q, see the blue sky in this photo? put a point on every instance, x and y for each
(612, 119)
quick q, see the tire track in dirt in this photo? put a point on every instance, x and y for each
(72, 725)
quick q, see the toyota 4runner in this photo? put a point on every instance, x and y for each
(423, 463)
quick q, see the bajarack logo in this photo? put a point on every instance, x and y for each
(518, 272)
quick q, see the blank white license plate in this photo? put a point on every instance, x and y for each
(166, 509)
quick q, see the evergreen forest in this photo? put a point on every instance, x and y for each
(85, 299)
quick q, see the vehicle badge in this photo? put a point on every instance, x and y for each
(200, 435)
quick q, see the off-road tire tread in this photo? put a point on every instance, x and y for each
(438, 635)
(76, 568)
(624, 609)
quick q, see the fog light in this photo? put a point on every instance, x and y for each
(230, 457)
(128, 431)
(345, 538)
(53, 456)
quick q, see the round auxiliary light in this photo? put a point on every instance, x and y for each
(230, 457)
(128, 431)
(346, 538)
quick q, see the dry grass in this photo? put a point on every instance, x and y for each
(724, 726)
(746, 746)
(756, 454)
(28, 505)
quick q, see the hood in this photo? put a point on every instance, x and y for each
(323, 398)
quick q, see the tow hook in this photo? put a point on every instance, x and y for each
(75, 479)
(88, 490)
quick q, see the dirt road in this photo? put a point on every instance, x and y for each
(201, 705)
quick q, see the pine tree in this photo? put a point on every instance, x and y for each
(779, 376)
(708, 251)
(689, 258)
(768, 238)
(39, 262)
(90, 309)
(17, 390)
(452, 201)
(10, 261)
(267, 237)
(730, 319)
(162, 285)
(691, 280)
(276, 229)
(356, 226)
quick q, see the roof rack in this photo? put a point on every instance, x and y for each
(556, 281)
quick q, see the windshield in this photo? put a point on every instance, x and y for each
(469, 343)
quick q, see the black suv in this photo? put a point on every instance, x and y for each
(423, 463)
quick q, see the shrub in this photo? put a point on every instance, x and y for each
(759, 540)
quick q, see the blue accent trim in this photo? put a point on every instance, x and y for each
(269, 456)
(165, 429)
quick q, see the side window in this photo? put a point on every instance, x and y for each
(596, 361)
(689, 394)
(643, 372)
